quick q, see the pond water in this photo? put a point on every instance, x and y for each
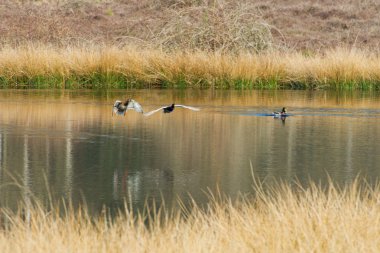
(67, 144)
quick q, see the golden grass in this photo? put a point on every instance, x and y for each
(283, 219)
(130, 67)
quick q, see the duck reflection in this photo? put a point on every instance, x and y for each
(281, 115)
(143, 186)
(283, 119)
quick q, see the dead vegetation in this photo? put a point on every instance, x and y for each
(193, 24)
(94, 66)
(280, 219)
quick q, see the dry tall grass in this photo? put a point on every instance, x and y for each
(112, 67)
(286, 219)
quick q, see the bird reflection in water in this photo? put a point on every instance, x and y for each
(282, 115)
(142, 185)
(282, 118)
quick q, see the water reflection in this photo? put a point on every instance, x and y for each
(281, 118)
(147, 184)
(69, 161)
(71, 139)
(1, 158)
(26, 181)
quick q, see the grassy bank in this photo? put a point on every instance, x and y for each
(282, 220)
(111, 67)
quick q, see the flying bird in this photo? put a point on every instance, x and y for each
(169, 109)
(120, 108)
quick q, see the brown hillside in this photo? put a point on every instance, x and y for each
(212, 24)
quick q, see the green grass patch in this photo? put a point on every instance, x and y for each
(121, 81)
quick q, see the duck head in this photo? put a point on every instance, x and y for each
(127, 102)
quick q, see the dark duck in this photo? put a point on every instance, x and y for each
(169, 109)
(282, 113)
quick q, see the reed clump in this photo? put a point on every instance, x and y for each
(132, 67)
(225, 27)
(278, 219)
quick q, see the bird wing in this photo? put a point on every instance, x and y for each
(117, 102)
(135, 106)
(154, 111)
(114, 108)
(188, 107)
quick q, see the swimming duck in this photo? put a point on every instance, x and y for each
(170, 108)
(120, 108)
(280, 114)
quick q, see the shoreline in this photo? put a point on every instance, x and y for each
(94, 67)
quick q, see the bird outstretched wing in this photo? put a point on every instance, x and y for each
(161, 108)
(133, 105)
(154, 111)
(188, 107)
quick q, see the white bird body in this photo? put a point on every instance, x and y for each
(169, 109)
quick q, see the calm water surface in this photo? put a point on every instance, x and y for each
(67, 143)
